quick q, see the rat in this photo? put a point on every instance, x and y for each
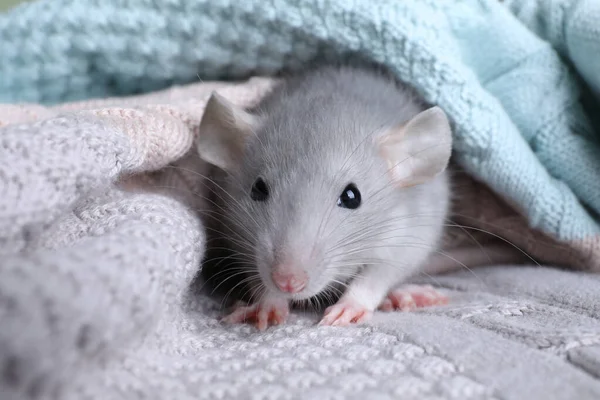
(335, 186)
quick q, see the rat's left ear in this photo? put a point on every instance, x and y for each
(223, 132)
(418, 150)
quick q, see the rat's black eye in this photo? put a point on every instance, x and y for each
(350, 197)
(260, 190)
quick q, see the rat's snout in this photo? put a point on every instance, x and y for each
(289, 281)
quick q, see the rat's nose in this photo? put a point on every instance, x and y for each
(289, 282)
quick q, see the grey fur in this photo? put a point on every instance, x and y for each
(317, 135)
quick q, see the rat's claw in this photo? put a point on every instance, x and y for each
(410, 297)
(262, 320)
(268, 311)
(345, 312)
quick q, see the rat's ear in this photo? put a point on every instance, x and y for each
(223, 132)
(419, 149)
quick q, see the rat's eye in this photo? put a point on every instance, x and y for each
(260, 190)
(350, 197)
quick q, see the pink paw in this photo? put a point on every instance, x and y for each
(262, 315)
(410, 297)
(345, 312)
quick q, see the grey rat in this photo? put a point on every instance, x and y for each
(336, 183)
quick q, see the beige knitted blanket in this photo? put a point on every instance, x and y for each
(99, 242)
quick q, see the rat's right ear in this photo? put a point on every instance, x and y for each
(418, 150)
(223, 131)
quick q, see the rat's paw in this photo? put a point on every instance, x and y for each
(262, 315)
(410, 297)
(345, 312)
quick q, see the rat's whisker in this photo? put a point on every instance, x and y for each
(241, 242)
(389, 221)
(433, 249)
(233, 275)
(233, 254)
(223, 190)
(251, 279)
(498, 237)
(226, 215)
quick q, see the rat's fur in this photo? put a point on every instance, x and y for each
(316, 135)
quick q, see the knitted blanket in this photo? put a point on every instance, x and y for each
(100, 243)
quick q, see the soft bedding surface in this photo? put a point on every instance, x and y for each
(100, 241)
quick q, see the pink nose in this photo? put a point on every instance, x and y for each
(289, 282)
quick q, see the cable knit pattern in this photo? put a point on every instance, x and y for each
(100, 244)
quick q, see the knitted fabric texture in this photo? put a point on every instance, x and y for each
(100, 243)
(515, 104)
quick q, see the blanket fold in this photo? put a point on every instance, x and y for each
(86, 269)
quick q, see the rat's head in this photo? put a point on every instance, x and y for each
(302, 202)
